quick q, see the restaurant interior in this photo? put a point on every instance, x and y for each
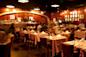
(42, 28)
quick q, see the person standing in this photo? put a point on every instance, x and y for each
(12, 29)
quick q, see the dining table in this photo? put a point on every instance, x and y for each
(56, 41)
(80, 44)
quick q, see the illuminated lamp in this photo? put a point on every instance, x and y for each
(7, 9)
(55, 5)
(74, 12)
(42, 12)
(31, 18)
(36, 9)
(10, 6)
(23, 1)
(60, 21)
(12, 16)
(79, 11)
(14, 10)
(84, 10)
(19, 19)
(71, 12)
(66, 12)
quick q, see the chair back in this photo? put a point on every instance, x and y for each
(84, 53)
(67, 50)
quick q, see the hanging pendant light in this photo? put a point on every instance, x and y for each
(23, 1)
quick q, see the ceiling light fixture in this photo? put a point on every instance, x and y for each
(36, 8)
(10, 6)
(55, 5)
(23, 1)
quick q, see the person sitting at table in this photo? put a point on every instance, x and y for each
(26, 34)
(72, 34)
(44, 27)
(77, 33)
(56, 29)
(17, 35)
(39, 28)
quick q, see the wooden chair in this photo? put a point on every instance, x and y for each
(84, 53)
(22, 36)
(67, 50)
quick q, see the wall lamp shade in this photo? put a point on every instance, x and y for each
(23, 1)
